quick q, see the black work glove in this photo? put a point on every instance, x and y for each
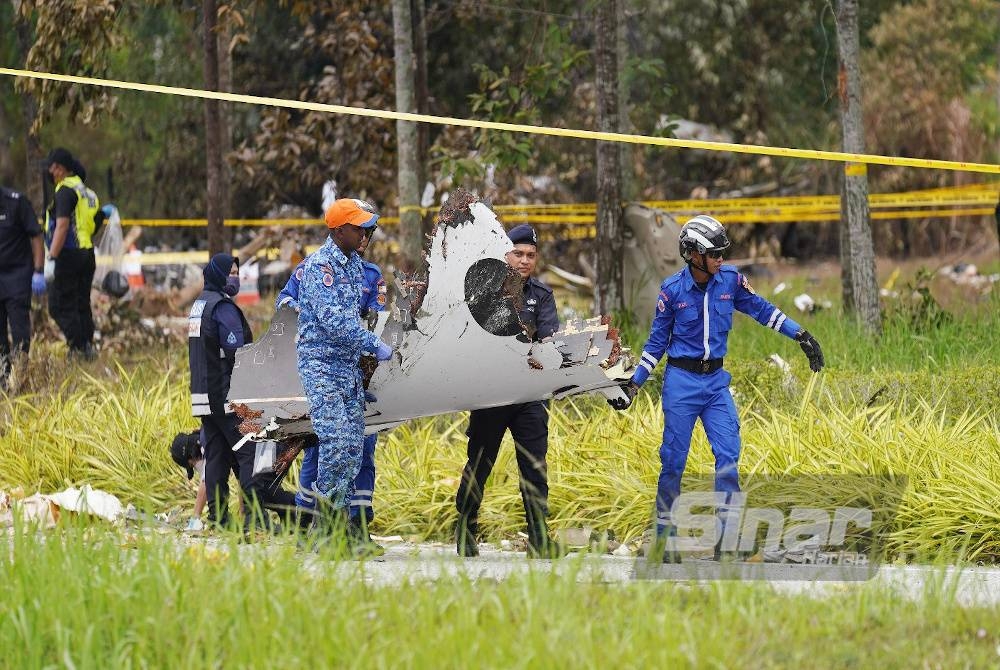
(631, 390)
(810, 347)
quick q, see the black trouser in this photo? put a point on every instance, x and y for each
(69, 297)
(529, 426)
(14, 310)
(264, 489)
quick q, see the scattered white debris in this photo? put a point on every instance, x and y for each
(623, 550)
(88, 500)
(780, 363)
(967, 274)
(804, 302)
(44, 509)
(779, 288)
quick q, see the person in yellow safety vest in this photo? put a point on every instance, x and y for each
(69, 225)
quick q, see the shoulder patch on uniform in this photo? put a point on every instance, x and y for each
(660, 305)
(380, 299)
(327, 279)
(232, 338)
(746, 284)
(299, 271)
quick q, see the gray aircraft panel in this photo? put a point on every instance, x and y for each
(445, 360)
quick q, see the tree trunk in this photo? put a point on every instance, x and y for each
(422, 91)
(629, 190)
(857, 250)
(423, 103)
(34, 184)
(226, 119)
(609, 294)
(996, 212)
(213, 133)
(411, 231)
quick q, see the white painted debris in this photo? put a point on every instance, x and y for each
(967, 274)
(780, 363)
(804, 302)
(623, 550)
(88, 500)
(779, 288)
(44, 510)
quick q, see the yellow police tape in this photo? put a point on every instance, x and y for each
(813, 154)
(949, 200)
(584, 229)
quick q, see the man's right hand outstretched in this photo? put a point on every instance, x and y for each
(631, 390)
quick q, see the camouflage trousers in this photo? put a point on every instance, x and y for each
(337, 410)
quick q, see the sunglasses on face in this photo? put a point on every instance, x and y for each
(714, 253)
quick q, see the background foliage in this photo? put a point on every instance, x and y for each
(751, 71)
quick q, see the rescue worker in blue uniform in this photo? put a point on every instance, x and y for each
(216, 329)
(70, 223)
(22, 257)
(330, 344)
(373, 298)
(528, 424)
(691, 324)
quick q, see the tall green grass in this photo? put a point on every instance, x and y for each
(603, 465)
(84, 598)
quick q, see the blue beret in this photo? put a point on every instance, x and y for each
(523, 234)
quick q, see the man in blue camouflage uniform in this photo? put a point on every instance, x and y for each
(331, 342)
(528, 424)
(373, 298)
(691, 324)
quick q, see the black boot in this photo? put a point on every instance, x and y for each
(362, 545)
(540, 545)
(467, 536)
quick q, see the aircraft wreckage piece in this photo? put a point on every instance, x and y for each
(462, 346)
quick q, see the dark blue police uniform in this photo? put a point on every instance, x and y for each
(216, 329)
(691, 325)
(17, 226)
(528, 424)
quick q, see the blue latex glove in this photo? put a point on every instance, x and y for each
(370, 397)
(384, 352)
(38, 283)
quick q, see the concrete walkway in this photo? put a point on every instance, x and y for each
(405, 562)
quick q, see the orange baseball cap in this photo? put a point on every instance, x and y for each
(351, 211)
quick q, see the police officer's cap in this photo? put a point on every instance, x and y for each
(184, 448)
(523, 234)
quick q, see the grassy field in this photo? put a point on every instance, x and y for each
(84, 598)
(917, 403)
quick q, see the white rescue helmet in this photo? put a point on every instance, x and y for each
(702, 234)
